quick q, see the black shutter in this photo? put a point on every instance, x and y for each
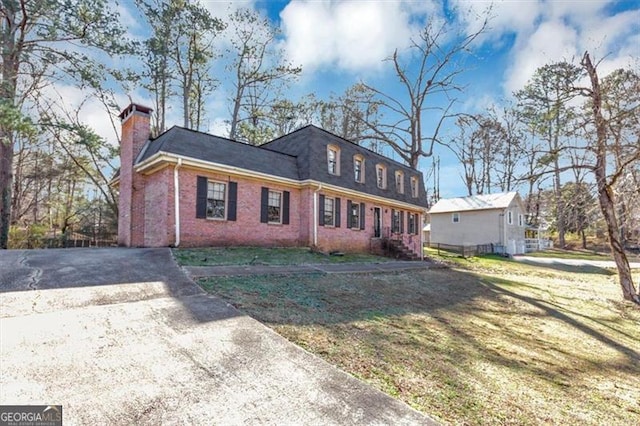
(409, 230)
(361, 215)
(285, 207)
(264, 205)
(201, 198)
(348, 213)
(321, 211)
(401, 214)
(337, 212)
(233, 201)
(418, 226)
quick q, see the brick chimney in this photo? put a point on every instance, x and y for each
(136, 128)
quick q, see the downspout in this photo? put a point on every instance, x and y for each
(315, 215)
(176, 201)
(420, 226)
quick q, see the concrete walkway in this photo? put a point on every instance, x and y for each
(122, 336)
(325, 268)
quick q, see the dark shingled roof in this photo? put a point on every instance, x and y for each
(202, 146)
(299, 155)
(309, 145)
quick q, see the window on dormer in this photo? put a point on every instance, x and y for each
(414, 187)
(358, 169)
(400, 182)
(333, 160)
(381, 176)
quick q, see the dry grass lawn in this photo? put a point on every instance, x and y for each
(489, 341)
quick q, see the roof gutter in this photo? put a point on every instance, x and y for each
(176, 200)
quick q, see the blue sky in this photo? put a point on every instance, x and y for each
(339, 43)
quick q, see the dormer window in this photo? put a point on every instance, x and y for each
(333, 160)
(381, 176)
(358, 168)
(414, 187)
(400, 182)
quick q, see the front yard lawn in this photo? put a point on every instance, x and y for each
(264, 256)
(487, 342)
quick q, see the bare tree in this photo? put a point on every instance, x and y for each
(258, 68)
(427, 71)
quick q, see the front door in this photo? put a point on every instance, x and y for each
(376, 222)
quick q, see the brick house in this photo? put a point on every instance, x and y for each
(307, 188)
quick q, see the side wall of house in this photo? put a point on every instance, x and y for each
(474, 227)
(515, 232)
(159, 229)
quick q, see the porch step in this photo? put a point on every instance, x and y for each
(400, 251)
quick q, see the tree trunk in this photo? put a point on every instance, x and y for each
(605, 192)
(6, 159)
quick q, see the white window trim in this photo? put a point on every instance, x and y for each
(226, 200)
(333, 212)
(414, 187)
(384, 176)
(360, 158)
(335, 149)
(357, 227)
(509, 217)
(400, 183)
(520, 219)
(454, 216)
(279, 222)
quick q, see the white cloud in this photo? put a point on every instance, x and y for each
(504, 16)
(551, 42)
(350, 35)
(564, 31)
(221, 9)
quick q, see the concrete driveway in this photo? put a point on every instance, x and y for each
(572, 262)
(122, 336)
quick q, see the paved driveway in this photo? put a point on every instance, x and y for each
(572, 262)
(122, 336)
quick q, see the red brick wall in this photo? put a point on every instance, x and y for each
(247, 229)
(159, 230)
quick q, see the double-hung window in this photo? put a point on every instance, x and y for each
(414, 187)
(395, 221)
(455, 217)
(329, 211)
(400, 182)
(333, 160)
(358, 169)
(381, 176)
(274, 210)
(216, 200)
(354, 216)
(412, 223)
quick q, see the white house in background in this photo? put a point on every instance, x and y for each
(498, 219)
